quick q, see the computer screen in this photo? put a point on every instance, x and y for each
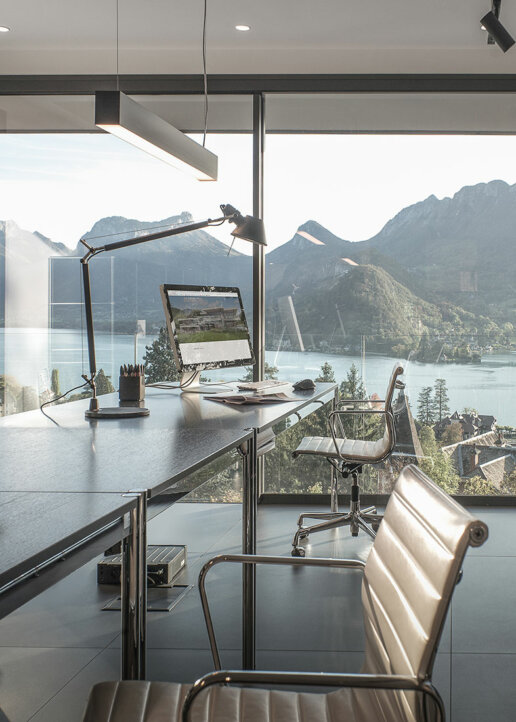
(207, 327)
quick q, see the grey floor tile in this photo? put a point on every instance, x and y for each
(163, 665)
(483, 688)
(321, 661)
(277, 526)
(199, 526)
(308, 619)
(308, 608)
(483, 606)
(184, 626)
(65, 615)
(441, 680)
(30, 677)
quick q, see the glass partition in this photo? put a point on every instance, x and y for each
(386, 247)
(58, 188)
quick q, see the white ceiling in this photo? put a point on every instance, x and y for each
(286, 36)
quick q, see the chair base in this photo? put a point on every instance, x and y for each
(366, 519)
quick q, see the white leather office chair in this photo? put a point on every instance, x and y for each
(408, 581)
(348, 456)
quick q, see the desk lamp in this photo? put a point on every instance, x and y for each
(248, 228)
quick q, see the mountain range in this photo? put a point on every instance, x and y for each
(441, 271)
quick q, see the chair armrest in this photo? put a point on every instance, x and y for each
(336, 414)
(259, 559)
(356, 681)
(342, 402)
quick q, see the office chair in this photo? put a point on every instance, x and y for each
(407, 585)
(348, 456)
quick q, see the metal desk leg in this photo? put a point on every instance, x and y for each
(249, 512)
(334, 492)
(134, 590)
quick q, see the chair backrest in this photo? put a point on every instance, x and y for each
(396, 371)
(389, 436)
(409, 578)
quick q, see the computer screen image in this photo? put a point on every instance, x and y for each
(207, 327)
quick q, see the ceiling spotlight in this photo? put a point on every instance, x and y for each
(4, 29)
(243, 28)
(497, 33)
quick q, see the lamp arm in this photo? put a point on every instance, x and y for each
(92, 251)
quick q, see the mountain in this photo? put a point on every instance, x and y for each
(136, 272)
(24, 277)
(441, 271)
(116, 228)
(454, 257)
(459, 248)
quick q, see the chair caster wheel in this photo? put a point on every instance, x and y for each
(298, 552)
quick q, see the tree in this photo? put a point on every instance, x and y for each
(441, 399)
(425, 409)
(508, 485)
(352, 387)
(436, 464)
(477, 486)
(358, 426)
(452, 434)
(54, 382)
(327, 374)
(103, 383)
(470, 410)
(159, 360)
(270, 372)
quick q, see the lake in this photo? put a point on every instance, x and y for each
(490, 386)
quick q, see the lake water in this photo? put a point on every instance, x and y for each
(490, 387)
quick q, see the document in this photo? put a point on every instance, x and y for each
(242, 399)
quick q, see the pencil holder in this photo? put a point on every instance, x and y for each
(131, 389)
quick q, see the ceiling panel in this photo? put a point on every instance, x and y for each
(286, 36)
(76, 113)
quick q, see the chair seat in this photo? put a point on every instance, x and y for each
(163, 702)
(352, 449)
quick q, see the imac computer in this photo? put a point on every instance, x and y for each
(207, 328)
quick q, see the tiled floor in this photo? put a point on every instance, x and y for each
(55, 647)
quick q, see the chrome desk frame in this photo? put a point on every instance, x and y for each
(134, 572)
(249, 453)
(134, 590)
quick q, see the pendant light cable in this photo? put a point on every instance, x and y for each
(117, 30)
(205, 76)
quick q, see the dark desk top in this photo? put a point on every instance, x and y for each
(183, 433)
(36, 526)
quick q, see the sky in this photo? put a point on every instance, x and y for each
(60, 185)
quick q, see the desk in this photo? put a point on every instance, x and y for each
(146, 456)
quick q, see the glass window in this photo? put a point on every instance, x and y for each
(385, 247)
(58, 188)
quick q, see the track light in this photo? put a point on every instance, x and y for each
(497, 33)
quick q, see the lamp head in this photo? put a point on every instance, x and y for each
(248, 228)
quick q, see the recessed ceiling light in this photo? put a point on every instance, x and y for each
(4, 29)
(243, 28)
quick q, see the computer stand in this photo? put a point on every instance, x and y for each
(191, 384)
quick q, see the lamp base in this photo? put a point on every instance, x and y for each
(116, 412)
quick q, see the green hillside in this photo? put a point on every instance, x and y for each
(367, 302)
